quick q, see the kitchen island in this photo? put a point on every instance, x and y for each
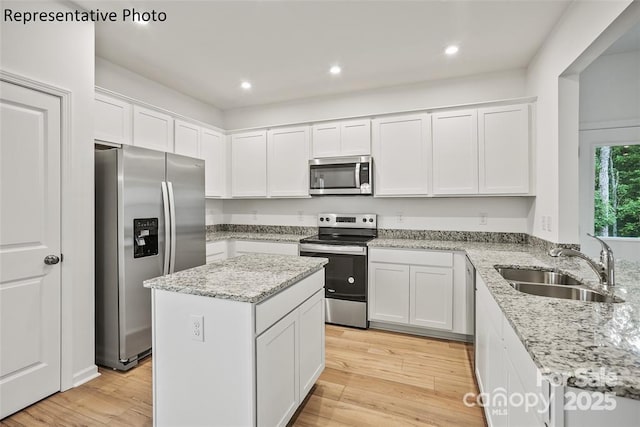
(237, 342)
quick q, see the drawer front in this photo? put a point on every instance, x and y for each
(280, 248)
(413, 257)
(216, 248)
(273, 309)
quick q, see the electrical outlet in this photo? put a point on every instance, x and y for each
(544, 223)
(483, 218)
(400, 216)
(548, 223)
(196, 327)
(255, 215)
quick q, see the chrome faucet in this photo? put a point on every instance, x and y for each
(604, 268)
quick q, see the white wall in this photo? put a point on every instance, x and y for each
(118, 79)
(610, 90)
(577, 29)
(506, 214)
(62, 55)
(213, 212)
(479, 88)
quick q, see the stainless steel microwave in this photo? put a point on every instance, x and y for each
(341, 176)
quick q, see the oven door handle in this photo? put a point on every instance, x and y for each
(334, 249)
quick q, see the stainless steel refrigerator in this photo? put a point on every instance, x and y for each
(150, 209)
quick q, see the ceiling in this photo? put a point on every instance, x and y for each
(285, 48)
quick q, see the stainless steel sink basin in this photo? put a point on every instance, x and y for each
(554, 284)
(563, 291)
(537, 276)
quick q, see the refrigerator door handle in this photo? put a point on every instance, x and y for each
(167, 229)
(172, 210)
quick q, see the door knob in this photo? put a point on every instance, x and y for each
(51, 259)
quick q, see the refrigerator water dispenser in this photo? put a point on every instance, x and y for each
(145, 237)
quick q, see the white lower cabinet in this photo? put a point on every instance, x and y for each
(388, 292)
(289, 360)
(420, 288)
(431, 297)
(278, 372)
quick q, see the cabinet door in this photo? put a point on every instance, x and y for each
(431, 297)
(112, 120)
(401, 155)
(355, 138)
(455, 152)
(503, 134)
(311, 341)
(277, 372)
(389, 292)
(287, 162)
(187, 139)
(326, 140)
(152, 129)
(249, 164)
(214, 152)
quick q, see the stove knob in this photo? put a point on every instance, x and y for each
(351, 280)
(321, 219)
(364, 219)
(326, 219)
(370, 219)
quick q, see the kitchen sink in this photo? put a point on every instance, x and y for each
(549, 283)
(537, 276)
(564, 292)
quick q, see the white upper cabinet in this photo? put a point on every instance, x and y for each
(152, 129)
(344, 138)
(214, 152)
(187, 139)
(401, 146)
(503, 137)
(455, 152)
(112, 120)
(249, 164)
(287, 162)
(326, 140)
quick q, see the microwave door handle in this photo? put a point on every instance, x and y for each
(358, 175)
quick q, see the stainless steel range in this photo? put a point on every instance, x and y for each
(342, 238)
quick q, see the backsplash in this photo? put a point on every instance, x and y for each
(464, 236)
(546, 245)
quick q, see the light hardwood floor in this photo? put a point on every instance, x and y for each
(372, 378)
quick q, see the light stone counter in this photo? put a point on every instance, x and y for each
(247, 278)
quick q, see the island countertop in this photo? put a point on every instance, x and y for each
(248, 278)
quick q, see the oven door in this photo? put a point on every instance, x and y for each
(346, 272)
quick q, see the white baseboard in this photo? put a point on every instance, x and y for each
(85, 375)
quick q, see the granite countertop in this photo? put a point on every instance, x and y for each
(236, 235)
(248, 278)
(596, 346)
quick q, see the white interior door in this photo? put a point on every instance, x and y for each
(29, 232)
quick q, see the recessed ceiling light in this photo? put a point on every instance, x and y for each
(451, 50)
(335, 70)
(245, 85)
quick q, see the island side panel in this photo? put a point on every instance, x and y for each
(209, 382)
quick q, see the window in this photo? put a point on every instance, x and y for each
(617, 191)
